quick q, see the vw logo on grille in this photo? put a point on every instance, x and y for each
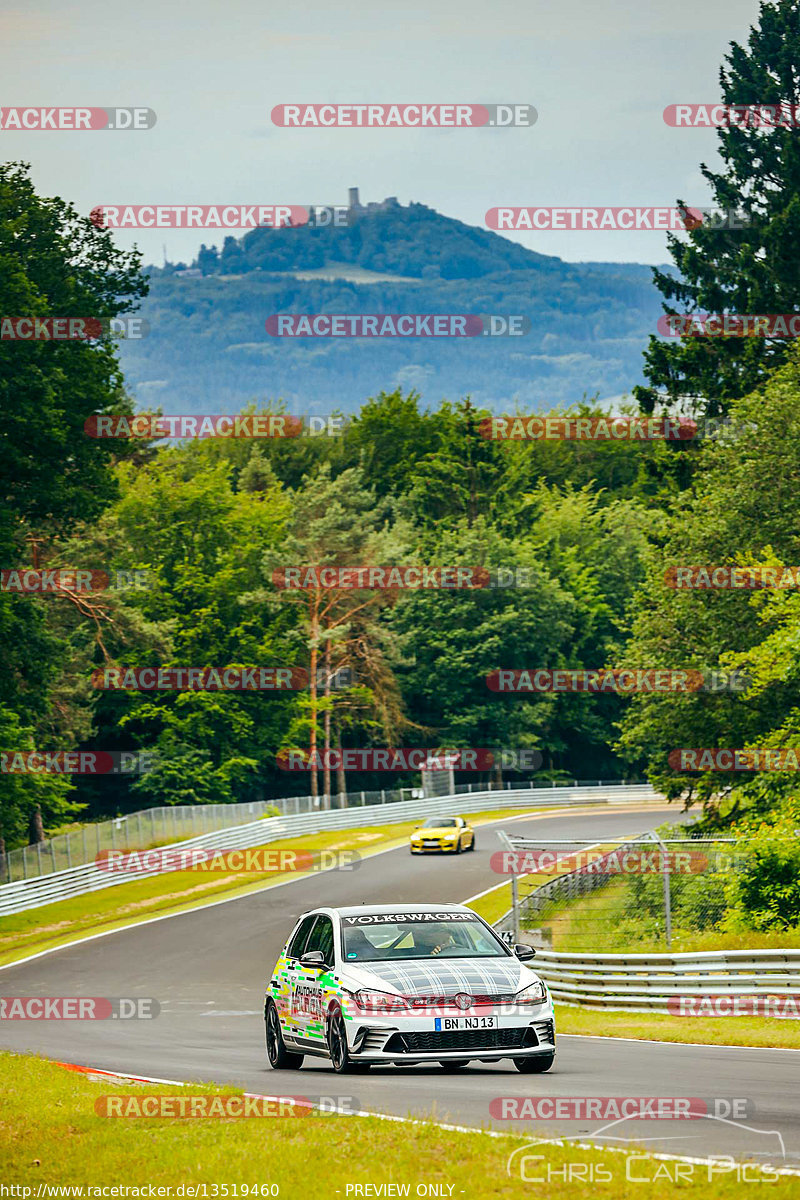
(463, 1000)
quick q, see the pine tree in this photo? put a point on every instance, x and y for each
(752, 270)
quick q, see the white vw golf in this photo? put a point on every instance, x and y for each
(409, 983)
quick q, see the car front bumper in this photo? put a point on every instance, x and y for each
(398, 1038)
(418, 848)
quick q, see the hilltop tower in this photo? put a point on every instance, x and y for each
(353, 201)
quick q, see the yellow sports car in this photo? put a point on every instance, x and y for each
(450, 835)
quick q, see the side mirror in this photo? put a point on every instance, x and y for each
(523, 953)
(314, 959)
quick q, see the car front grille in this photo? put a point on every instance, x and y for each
(462, 1039)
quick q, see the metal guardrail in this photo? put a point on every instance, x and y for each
(647, 982)
(48, 889)
(177, 822)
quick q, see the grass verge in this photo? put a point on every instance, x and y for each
(126, 904)
(52, 1137)
(765, 1032)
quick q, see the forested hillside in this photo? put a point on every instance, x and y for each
(207, 347)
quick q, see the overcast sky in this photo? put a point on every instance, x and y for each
(599, 72)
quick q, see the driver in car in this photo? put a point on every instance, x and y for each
(430, 941)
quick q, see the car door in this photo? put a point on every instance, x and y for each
(288, 975)
(308, 998)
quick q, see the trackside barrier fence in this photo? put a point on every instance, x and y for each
(173, 823)
(647, 982)
(634, 982)
(21, 895)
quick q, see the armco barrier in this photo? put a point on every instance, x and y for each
(61, 885)
(641, 982)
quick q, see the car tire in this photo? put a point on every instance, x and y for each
(472, 843)
(338, 1051)
(455, 1065)
(534, 1066)
(279, 1058)
(458, 846)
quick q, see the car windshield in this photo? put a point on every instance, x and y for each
(440, 823)
(379, 937)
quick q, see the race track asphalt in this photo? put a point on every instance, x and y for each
(207, 970)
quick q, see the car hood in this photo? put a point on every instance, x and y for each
(435, 829)
(427, 977)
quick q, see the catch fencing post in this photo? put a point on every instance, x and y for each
(667, 891)
(515, 906)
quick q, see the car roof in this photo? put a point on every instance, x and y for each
(352, 910)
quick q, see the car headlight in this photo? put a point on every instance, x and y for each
(534, 993)
(370, 1000)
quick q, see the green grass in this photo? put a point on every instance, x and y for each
(126, 904)
(602, 923)
(713, 1031)
(497, 902)
(50, 1134)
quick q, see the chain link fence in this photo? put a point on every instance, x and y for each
(175, 823)
(649, 892)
